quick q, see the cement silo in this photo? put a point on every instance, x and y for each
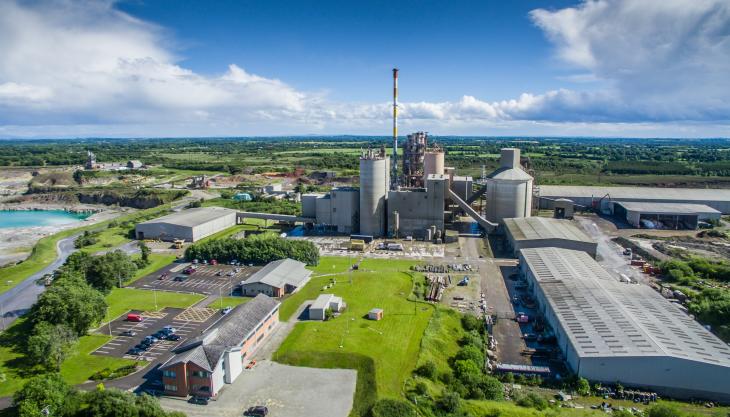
(374, 185)
(433, 163)
(509, 189)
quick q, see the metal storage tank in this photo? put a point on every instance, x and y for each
(433, 163)
(509, 189)
(374, 184)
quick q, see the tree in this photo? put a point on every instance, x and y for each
(50, 344)
(427, 370)
(532, 400)
(491, 388)
(110, 403)
(471, 353)
(43, 391)
(72, 302)
(393, 408)
(471, 322)
(144, 251)
(109, 270)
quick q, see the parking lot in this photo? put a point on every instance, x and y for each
(207, 279)
(188, 323)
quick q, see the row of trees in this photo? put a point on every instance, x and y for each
(51, 395)
(257, 249)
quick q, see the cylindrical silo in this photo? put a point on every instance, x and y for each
(374, 183)
(433, 163)
(509, 189)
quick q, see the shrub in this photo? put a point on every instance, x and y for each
(450, 402)
(427, 370)
(393, 408)
(471, 322)
(661, 410)
(472, 338)
(532, 400)
(471, 353)
(421, 388)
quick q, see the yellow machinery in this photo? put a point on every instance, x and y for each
(178, 243)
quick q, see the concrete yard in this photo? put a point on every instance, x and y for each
(288, 391)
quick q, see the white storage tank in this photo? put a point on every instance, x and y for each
(374, 185)
(433, 163)
(509, 189)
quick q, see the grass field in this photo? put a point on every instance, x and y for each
(121, 300)
(392, 343)
(76, 369)
(157, 261)
(229, 302)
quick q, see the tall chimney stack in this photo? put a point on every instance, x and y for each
(394, 162)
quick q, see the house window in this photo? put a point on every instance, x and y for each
(170, 387)
(169, 374)
(201, 374)
(260, 337)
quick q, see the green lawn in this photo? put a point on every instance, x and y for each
(121, 300)
(157, 261)
(392, 343)
(76, 369)
(110, 237)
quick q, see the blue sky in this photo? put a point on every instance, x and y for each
(141, 68)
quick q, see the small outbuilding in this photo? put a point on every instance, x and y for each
(318, 309)
(375, 314)
(134, 164)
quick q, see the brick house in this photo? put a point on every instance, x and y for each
(201, 366)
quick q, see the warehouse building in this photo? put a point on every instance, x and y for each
(600, 198)
(318, 309)
(277, 279)
(541, 232)
(611, 332)
(190, 225)
(203, 365)
(673, 216)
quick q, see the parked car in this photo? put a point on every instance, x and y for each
(134, 351)
(219, 274)
(129, 333)
(213, 262)
(162, 275)
(142, 347)
(189, 270)
(251, 365)
(226, 310)
(181, 278)
(257, 411)
(168, 330)
(173, 337)
(151, 340)
(160, 335)
(199, 400)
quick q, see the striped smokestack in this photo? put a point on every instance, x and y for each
(394, 163)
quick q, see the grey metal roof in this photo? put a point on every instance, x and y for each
(280, 273)
(537, 228)
(604, 317)
(323, 301)
(193, 217)
(667, 208)
(229, 332)
(641, 193)
(510, 174)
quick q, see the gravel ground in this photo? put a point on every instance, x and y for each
(288, 391)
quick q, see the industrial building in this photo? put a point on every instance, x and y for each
(318, 309)
(277, 278)
(190, 225)
(414, 151)
(203, 365)
(673, 216)
(542, 232)
(601, 198)
(412, 212)
(339, 209)
(611, 332)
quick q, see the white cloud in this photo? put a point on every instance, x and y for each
(84, 68)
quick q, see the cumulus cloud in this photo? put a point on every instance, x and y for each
(98, 71)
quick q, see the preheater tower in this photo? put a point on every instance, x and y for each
(394, 161)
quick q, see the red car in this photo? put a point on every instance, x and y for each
(189, 270)
(134, 317)
(213, 262)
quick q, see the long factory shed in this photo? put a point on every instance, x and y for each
(540, 232)
(611, 332)
(718, 199)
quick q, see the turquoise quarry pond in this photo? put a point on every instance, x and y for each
(21, 218)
